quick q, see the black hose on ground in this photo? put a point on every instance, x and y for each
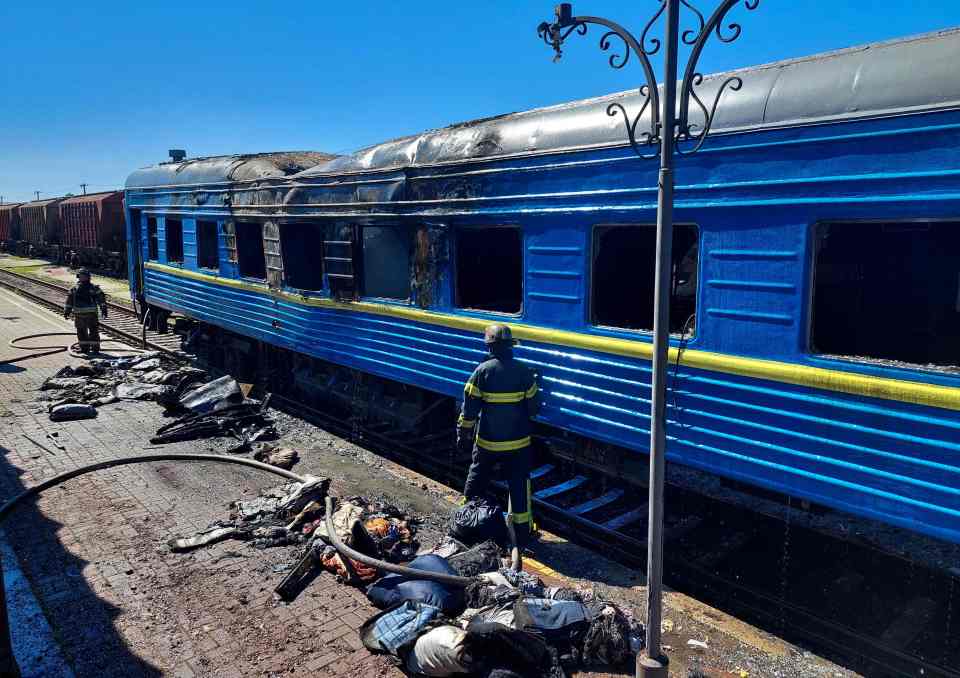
(413, 573)
(40, 351)
(123, 461)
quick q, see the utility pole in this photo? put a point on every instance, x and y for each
(84, 187)
(664, 130)
(37, 193)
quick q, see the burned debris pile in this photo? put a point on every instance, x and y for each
(502, 623)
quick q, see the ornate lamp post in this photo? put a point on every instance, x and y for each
(668, 130)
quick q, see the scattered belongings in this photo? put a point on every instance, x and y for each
(281, 457)
(479, 520)
(262, 520)
(72, 411)
(215, 395)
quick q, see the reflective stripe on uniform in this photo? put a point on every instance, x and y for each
(466, 423)
(503, 445)
(472, 390)
(508, 397)
(532, 391)
(84, 309)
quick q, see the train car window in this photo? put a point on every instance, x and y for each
(887, 291)
(624, 269)
(174, 240)
(153, 249)
(250, 255)
(207, 245)
(386, 261)
(489, 269)
(300, 244)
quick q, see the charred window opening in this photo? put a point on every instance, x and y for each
(250, 256)
(888, 291)
(624, 272)
(386, 261)
(489, 269)
(153, 248)
(207, 245)
(300, 242)
(174, 240)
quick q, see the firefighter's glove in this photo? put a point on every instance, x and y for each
(66, 315)
(465, 440)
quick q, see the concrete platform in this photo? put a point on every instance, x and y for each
(119, 604)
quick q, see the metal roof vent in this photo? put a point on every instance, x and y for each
(177, 154)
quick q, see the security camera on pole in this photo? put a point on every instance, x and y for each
(664, 131)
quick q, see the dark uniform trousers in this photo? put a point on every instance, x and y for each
(83, 301)
(500, 398)
(88, 330)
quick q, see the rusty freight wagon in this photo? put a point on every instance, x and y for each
(9, 225)
(40, 228)
(93, 231)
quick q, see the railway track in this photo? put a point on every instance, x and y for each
(872, 611)
(122, 321)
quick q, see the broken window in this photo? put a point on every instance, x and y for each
(250, 259)
(301, 245)
(386, 261)
(624, 273)
(153, 249)
(207, 245)
(888, 291)
(174, 240)
(489, 269)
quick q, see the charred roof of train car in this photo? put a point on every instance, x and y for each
(226, 169)
(913, 74)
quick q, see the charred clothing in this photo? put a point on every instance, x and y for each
(83, 301)
(500, 398)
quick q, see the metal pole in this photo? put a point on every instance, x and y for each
(654, 663)
(38, 194)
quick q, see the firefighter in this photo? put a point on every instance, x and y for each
(499, 400)
(83, 301)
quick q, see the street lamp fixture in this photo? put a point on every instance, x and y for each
(659, 128)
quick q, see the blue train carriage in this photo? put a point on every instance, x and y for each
(816, 302)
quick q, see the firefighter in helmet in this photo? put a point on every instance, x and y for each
(82, 302)
(499, 400)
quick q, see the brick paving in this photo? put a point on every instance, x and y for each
(94, 548)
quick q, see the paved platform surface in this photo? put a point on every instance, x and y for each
(120, 604)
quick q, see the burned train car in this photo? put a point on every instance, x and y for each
(9, 226)
(40, 229)
(816, 281)
(93, 232)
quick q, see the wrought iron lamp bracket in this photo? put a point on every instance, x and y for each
(646, 143)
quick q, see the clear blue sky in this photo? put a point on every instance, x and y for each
(92, 90)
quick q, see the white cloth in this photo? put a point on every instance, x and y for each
(438, 652)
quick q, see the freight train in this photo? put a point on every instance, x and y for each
(816, 301)
(83, 230)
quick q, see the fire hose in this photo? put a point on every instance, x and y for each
(40, 351)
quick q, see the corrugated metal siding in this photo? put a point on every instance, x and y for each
(887, 460)
(93, 221)
(9, 222)
(40, 222)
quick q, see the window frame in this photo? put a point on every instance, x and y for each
(153, 241)
(216, 244)
(455, 282)
(591, 265)
(857, 362)
(263, 251)
(361, 265)
(282, 226)
(166, 239)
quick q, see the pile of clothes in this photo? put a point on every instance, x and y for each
(505, 624)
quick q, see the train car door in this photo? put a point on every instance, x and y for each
(135, 261)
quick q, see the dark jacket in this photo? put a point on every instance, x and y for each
(85, 298)
(503, 394)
